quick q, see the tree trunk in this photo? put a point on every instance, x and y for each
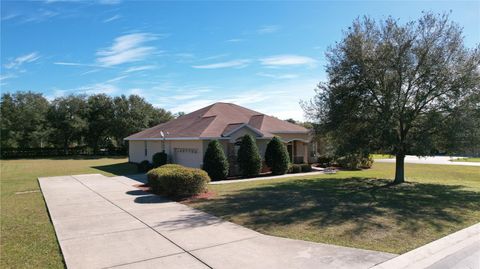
(399, 169)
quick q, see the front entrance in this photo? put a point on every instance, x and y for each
(293, 152)
(290, 151)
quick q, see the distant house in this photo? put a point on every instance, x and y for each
(185, 139)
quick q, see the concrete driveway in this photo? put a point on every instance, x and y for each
(104, 222)
(443, 160)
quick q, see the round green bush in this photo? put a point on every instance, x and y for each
(276, 156)
(159, 159)
(214, 162)
(249, 160)
(177, 181)
(295, 168)
(144, 166)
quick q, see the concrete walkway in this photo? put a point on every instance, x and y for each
(457, 250)
(442, 160)
(105, 222)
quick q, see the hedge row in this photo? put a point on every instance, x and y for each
(9, 153)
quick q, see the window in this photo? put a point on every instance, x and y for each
(145, 146)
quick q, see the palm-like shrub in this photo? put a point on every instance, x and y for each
(214, 162)
(249, 160)
(276, 156)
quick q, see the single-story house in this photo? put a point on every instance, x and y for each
(185, 138)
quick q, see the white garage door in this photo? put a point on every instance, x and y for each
(187, 157)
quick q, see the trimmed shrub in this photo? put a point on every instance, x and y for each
(354, 161)
(276, 156)
(214, 162)
(305, 167)
(177, 181)
(295, 168)
(249, 160)
(159, 159)
(325, 161)
(144, 166)
(366, 162)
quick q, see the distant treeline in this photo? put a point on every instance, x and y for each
(75, 123)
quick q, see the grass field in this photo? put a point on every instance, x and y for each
(476, 160)
(27, 235)
(343, 209)
(355, 208)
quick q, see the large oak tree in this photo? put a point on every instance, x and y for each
(396, 87)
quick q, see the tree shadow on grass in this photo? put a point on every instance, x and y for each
(118, 169)
(329, 202)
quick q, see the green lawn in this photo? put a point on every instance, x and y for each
(341, 209)
(476, 160)
(354, 208)
(27, 235)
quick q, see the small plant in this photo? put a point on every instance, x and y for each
(325, 161)
(249, 160)
(276, 156)
(144, 166)
(305, 167)
(214, 162)
(177, 181)
(159, 159)
(295, 168)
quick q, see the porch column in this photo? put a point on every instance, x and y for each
(305, 152)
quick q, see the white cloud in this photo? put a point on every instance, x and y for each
(109, 2)
(286, 60)
(125, 49)
(19, 61)
(234, 40)
(116, 17)
(189, 106)
(268, 29)
(9, 16)
(234, 63)
(116, 79)
(6, 76)
(76, 64)
(139, 68)
(278, 76)
(184, 96)
(97, 88)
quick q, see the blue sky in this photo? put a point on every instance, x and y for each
(185, 55)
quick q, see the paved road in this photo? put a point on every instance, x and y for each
(430, 160)
(105, 222)
(460, 250)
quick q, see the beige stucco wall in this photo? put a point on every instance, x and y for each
(137, 149)
(241, 132)
(289, 137)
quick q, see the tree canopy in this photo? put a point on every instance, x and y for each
(29, 120)
(396, 88)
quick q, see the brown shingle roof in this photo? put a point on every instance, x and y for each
(217, 120)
